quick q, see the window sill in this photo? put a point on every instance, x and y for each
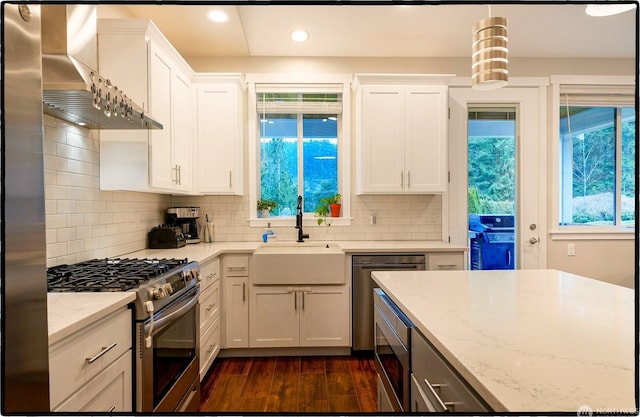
(595, 233)
(291, 221)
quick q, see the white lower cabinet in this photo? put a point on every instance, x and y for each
(236, 312)
(110, 391)
(209, 314)
(309, 316)
(91, 369)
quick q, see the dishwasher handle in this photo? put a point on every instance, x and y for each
(388, 267)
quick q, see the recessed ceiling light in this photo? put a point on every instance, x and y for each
(218, 16)
(608, 9)
(299, 35)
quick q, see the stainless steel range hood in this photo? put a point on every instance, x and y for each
(72, 88)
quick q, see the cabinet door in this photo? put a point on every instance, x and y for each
(425, 160)
(220, 139)
(161, 173)
(109, 391)
(381, 136)
(181, 140)
(274, 317)
(324, 316)
(236, 307)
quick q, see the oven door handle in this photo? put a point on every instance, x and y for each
(177, 312)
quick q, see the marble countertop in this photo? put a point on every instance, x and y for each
(527, 340)
(202, 251)
(69, 312)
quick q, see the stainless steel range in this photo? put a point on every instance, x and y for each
(166, 323)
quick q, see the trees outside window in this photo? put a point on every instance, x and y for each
(597, 165)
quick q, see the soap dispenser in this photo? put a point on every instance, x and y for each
(269, 235)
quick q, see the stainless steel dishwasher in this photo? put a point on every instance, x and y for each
(363, 285)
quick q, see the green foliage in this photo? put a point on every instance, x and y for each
(474, 203)
(491, 175)
(279, 173)
(267, 205)
(323, 208)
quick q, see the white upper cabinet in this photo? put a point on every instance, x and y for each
(135, 54)
(401, 134)
(220, 133)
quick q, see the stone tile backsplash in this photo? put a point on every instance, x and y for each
(83, 222)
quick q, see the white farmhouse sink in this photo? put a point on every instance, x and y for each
(292, 263)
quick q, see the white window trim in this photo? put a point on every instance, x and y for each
(344, 144)
(572, 232)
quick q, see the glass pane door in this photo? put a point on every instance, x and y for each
(492, 182)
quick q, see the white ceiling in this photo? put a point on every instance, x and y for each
(535, 30)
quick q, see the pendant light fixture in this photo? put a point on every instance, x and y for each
(489, 54)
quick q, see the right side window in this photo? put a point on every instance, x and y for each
(597, 160)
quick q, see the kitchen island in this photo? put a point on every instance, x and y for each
(527, 340)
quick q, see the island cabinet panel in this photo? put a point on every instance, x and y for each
(401, 138)
(87, 369)
(299, 316)
(220, 134)
(440, 387)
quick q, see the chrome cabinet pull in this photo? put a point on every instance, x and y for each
(102, 352)
(230, 181)
(179, 174)
(111, 409)
(209, 308)
(236, 268)
(303, 299)
(431, 389)
(244, 297)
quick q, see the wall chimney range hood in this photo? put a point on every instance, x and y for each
(72, 89)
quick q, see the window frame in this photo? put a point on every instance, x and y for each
(592, 84)
(300, 83)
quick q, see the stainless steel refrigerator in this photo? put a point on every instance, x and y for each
(25, 348)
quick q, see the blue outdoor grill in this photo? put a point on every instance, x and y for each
(492, 241)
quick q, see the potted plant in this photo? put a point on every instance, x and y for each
(265, 207)
(328, 205)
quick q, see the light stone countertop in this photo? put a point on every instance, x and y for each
(68, 312)
(527, 340)
(202, 251)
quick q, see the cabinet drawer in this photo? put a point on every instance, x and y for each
(236, 266)
(209, 346)
(103, 341)
(209, 305)
(110, 391)
(445, 261)
(209, 273)
(445, 389)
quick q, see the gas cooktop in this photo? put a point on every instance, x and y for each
(109, 274)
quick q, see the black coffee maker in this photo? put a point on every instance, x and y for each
(187, 219)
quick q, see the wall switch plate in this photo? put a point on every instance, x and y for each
(571, 249)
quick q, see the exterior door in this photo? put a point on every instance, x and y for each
(530, 168)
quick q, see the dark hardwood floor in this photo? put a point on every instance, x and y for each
(314, 384)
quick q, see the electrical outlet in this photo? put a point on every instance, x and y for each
(571, 249)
